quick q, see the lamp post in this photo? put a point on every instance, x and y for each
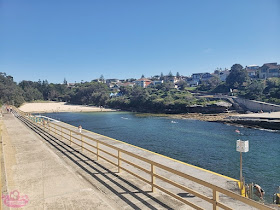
(241, 146)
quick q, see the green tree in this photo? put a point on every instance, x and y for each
(182, 84)
(254, 91)
(161, 76)
(237, 76)
(170, 74)
(10, 92)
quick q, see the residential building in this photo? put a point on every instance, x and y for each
(252, 70)
(126, 84)
(98, 80)
(157, 82)
(195, 79)
(143, 82)
(206, 76)
(71, 85)
(269, 70)
(108, 81)
(171, 79)
(224, 74)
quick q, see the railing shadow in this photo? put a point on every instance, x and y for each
(85, 163)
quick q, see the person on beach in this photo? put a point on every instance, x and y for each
(259, 191)
(80, 128)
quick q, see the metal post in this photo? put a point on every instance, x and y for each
(153, 179)
(97, 148)
(70, 137)
(61, 132)
(216, 199)
(241, 178)
(119, 161)
(82, 143)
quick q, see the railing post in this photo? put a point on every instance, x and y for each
(153, 178)
(61, 132)
(97, 148)
(119, 161)
(82, 142)
(70, 137)
(55, 129)
(216, 199)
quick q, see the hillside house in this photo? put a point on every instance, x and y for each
(269, 70)
(143, 82)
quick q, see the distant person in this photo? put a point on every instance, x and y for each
(237, 131)
(259, 191)
(80, 128)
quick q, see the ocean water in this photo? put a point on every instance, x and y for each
(205, 144)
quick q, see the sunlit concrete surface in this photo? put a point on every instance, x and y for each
(55, 175)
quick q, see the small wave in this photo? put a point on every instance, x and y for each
(173, 121)
(125, 118)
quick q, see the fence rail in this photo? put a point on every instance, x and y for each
(96, 147)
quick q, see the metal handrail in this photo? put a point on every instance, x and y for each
(52, 127)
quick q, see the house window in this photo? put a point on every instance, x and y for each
(273, 71)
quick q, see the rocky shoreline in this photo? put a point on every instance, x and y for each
(232, 119)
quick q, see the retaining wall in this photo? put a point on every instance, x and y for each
(253, 105)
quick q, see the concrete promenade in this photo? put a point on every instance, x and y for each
(55, 175)
(32, 168)
(265, 115)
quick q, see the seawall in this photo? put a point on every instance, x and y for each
(256, 106)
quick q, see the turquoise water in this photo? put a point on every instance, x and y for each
(208, 145)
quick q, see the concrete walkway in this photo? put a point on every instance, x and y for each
(55, 175)
(36, 171)
(265, 115)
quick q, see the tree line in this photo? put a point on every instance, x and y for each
(160, 98)
(238, 81)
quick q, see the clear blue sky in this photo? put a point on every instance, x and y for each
(80, 40)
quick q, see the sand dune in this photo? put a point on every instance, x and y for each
(59, 107)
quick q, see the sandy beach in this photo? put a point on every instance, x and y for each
(59, 107)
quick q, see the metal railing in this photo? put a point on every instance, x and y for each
(96, 147)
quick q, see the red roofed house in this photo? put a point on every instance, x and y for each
(143, 82)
